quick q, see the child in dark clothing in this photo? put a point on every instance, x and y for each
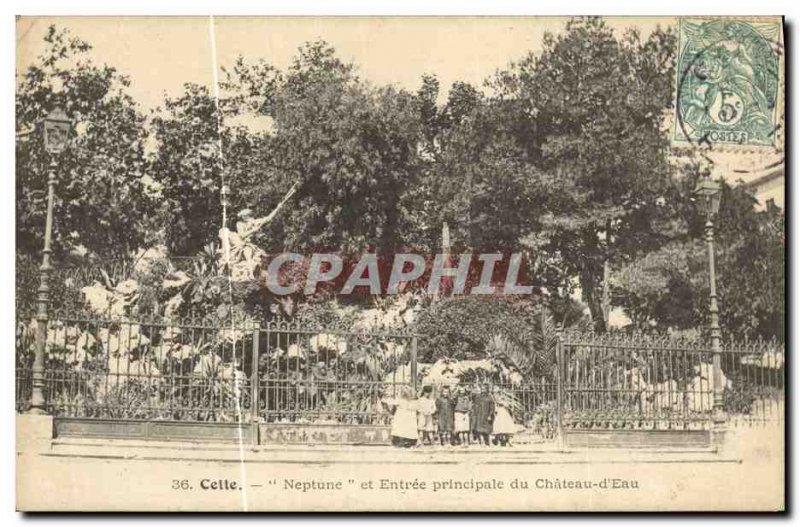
(461, 429)
(445, 416)
(482, 415)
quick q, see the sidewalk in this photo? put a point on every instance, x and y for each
(544, 453)
(91, 474)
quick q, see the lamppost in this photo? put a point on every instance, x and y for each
(708, 193)
(57, 127)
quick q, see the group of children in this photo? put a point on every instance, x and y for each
(455, 419)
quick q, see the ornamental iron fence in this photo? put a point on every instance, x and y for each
(190, 370)
(331, 376)
(288, 372)
(633, 382)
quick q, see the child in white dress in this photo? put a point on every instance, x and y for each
(503, 427)
(404, 419)
(426, 407)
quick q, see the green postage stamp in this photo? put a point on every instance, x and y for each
(729, 79)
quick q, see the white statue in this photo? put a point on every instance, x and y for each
(237, 252)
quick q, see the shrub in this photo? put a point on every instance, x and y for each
(462, 327)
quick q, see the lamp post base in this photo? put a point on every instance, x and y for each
(37, 398)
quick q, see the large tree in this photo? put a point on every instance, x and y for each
(351, 148)
(476, 178)
(102, 200)
(188, 166)
(589, 111)
(201, 141)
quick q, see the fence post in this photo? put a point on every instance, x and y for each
(559, 388)
(254, 381)
(414, 364)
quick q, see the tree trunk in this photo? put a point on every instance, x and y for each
(592, 297)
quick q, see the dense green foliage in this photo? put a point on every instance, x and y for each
(564, 156)
(595, 103)
(102, 199)
(520, 331)
(669, 286)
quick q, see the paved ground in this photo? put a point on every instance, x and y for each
(116, 475)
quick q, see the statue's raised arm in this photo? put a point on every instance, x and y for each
(237, 253)
(249, 226)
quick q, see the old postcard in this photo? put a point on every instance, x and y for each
(400, 264)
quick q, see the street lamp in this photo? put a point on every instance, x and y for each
(57, 128)
(708, 193)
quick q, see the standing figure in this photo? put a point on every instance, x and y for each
(426, 407)
(503, 427)
(445, 418)
(482, 415)
(461, 417)
(404, 419)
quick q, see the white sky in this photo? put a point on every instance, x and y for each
(160, 54)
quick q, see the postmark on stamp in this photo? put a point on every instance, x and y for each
(729, 82)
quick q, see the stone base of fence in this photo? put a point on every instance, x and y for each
(645, 439)
(37, 432)
(311, 434)
(155, 430)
